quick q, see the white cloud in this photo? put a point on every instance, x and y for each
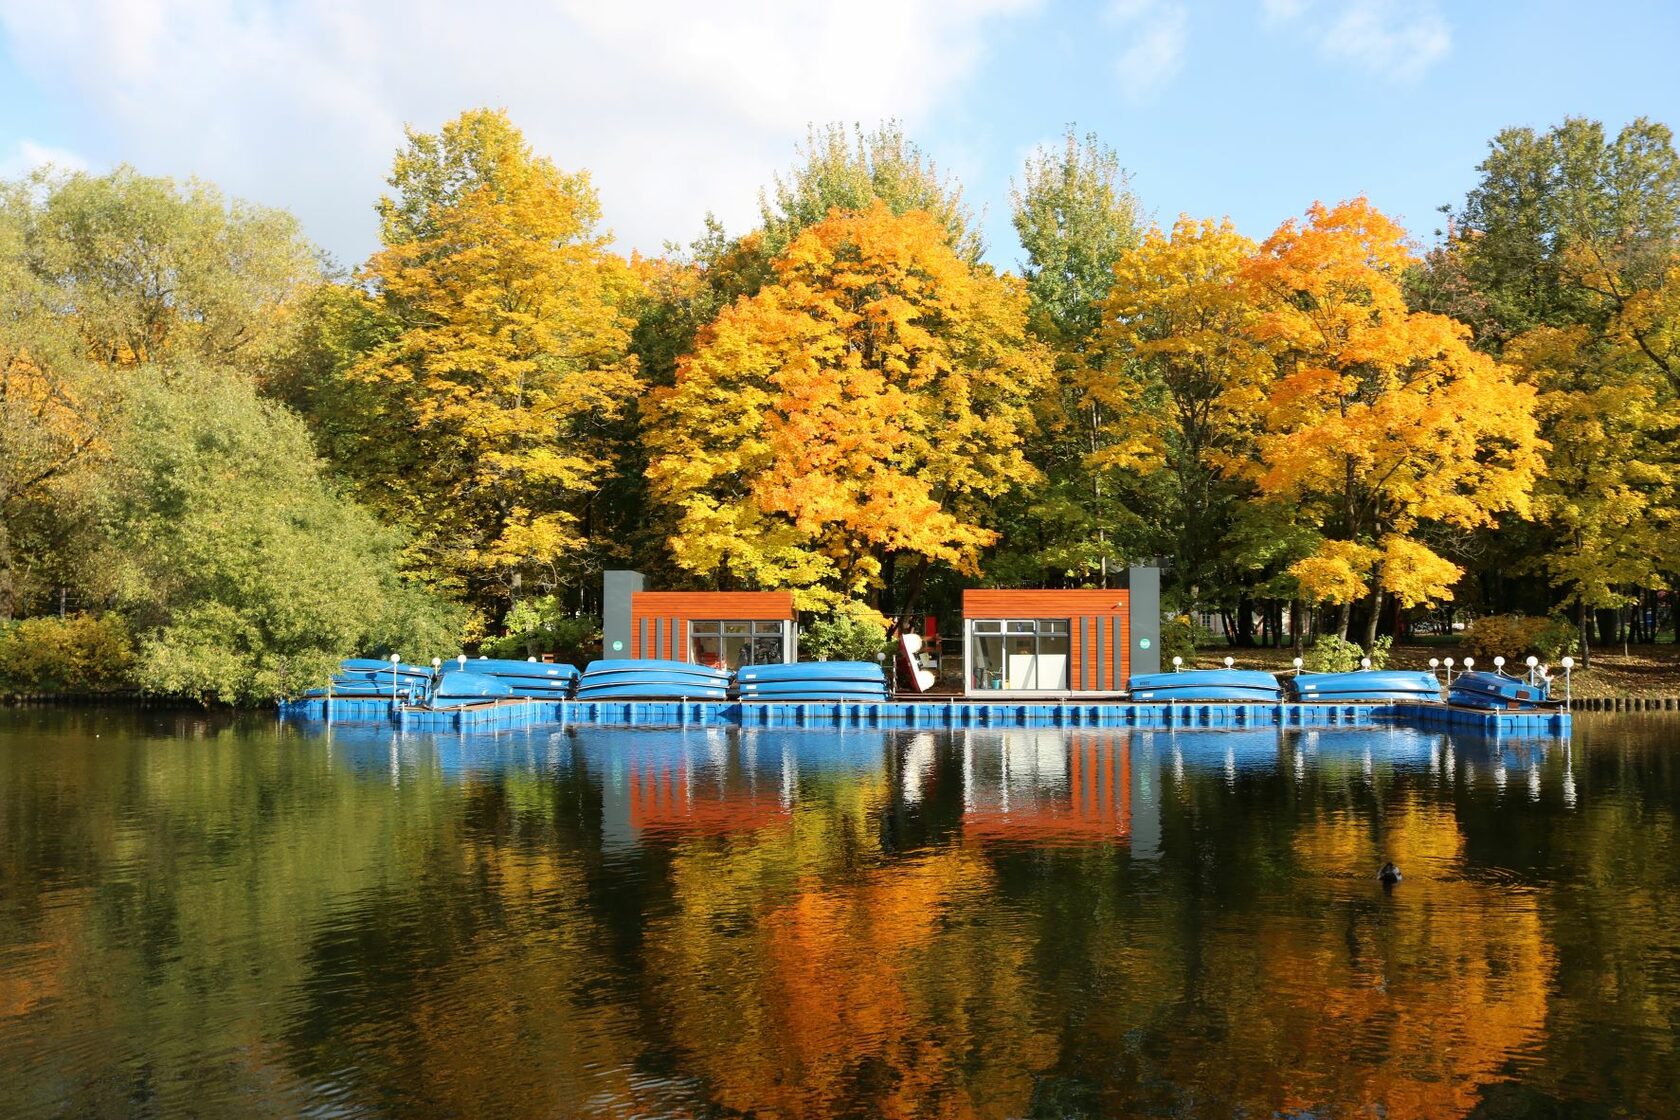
(1155, 33)
(1397, 39)
(27, 156)
(676, 108)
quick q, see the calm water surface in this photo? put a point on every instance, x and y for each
(229, 918)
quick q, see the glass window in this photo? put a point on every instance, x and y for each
(732, 643)
(1021, 653)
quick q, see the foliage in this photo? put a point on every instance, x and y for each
(1381, 418)
(1514, 637)
(540, 625)
(510, 361)
(148, 270)
(246, 578)
(853, 170)
(851, 631)
(81, 653)
(1076, 215)
(1331, 653)
(1181, 382)
(865, 406)
(1182, 636)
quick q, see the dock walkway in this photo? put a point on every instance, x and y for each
(507, 714)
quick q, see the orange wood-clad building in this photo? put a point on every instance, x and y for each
(723, 629)
(1046, 641)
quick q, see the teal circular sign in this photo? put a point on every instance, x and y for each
(617, 646)
(1143, 643)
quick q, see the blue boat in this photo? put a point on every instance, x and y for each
(364, 690)
(630, 689)
(1248, 685)
(469, 686)
(533, 689)
(867, 671)
(373, 665)
(509, 669)
(1495, 690)
(652, 666)
(1365, 686)
(815, 690)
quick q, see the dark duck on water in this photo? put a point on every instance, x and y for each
(1389, 874)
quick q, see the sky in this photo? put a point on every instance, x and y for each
(1251, 109)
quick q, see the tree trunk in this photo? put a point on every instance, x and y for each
(1296, 623)
(1344, 615)
(912, 592)
(1245, 621)
(1370, 642)
(1586, 646)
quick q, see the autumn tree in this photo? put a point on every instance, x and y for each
(1381, 419)
(862, 410)
(506, 359)
(1182, 381)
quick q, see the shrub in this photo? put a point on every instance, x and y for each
(1515, 636)
(1332, 654)
(80, 653)
(540, 625)
(1182, 636)
(851, 632)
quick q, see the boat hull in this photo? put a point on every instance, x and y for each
(1377, 685)
(1250, 685)
(653, 690)
(804, 671)
(1496, 687)
(508, 669)
(466, 686)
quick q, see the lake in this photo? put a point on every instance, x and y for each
(226, 916)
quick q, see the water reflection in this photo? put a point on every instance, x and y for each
(228, 918)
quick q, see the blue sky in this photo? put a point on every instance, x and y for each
(1251, 108)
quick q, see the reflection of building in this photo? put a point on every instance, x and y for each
(1048, 785)
(667, 796)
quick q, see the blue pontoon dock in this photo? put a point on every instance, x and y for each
(930, 713)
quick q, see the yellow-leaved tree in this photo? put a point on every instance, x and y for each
(504, 360)
(861, 409)
(1380, 419)
(1182, 381)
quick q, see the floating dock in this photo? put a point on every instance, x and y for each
(514, 713)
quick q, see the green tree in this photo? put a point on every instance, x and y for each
(244, 576)
(849, 169)
(1076, 215)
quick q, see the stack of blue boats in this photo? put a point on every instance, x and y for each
(1368, 686)
(466, 682)
(372, 679)
(854, 681)
(1496, 692)
(647, 679)
(1249, 686)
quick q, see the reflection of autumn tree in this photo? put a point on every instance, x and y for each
(890, 989)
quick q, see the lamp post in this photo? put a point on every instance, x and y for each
(1177, 661)
(1449, 664)
(1364, 662)
(1532, 662)
(1568, 664)
(1230, 661)
(1298, 664)
(461, 660)
(396, 659)
(1498, 664)
(1469, 664)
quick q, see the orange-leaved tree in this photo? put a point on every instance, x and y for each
(506, 356)
(862, 408)
(1380, 419)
